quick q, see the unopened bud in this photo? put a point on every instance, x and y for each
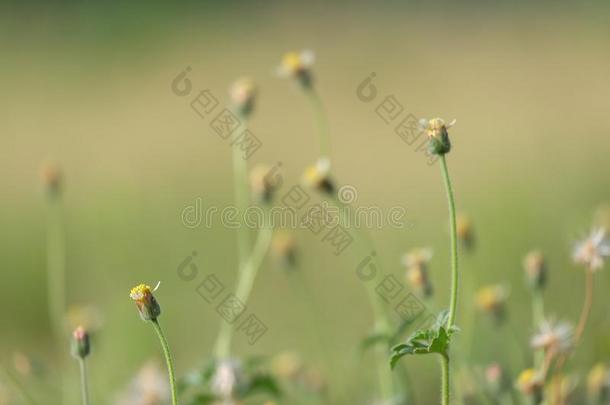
(80, 343)
(436, 129)
(51, 177)
(145, 301)
(263, 183)
(534, 265)
(317, 176)
(243, 95)
(465, 232)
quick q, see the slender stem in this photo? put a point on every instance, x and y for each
(586, 308)
(244, 285)
(168, 360)
(382, 323)
(55, 267)
(240, 190)
(84, 382)
(538, 318)
(454, 250)
(445, 383)
(321, 121)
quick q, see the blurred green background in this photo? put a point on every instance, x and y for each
(88, 86)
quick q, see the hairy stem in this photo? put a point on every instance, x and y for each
(321, 121)
(245, 283)
(168, 360)
(445, 383)
(84, 382)
(454, 249)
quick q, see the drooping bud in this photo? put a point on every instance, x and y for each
(243, 95)
(465, 232)
(535, 268)
(317, 176)
(492, 300)
(263, 183)
(145, 301)
(530, 384)
(51, 177)
(416, 262)
(284, 248)
(298, 66)
(80, 343)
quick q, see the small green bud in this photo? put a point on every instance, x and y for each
(80, 343)
(145, 301)
(439, 143)
(535, 268)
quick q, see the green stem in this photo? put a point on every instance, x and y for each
(382, 323)
(454, 248)
(538, 318)
(55, 267)
(168, 360)
(321, 121)
(242, 200)
(84, 384)
(244, 285)
(445, 383)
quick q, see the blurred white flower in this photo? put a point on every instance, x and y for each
(592, 250)
(296, 63)
(225, 380)
(555, 336)
(149, 387)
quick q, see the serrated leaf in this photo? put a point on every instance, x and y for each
(426, 341)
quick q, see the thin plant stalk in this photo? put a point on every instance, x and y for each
(240, 189)
(245, 282)
(321, 122)
(55, 266)
(84, 381)
(168, 361)
(586, 308)
(538, 318)
(382, 324)
(454, 277)
(445, 383)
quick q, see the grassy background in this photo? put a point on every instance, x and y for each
(89, 86)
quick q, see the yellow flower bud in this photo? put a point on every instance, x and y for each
(145, 301)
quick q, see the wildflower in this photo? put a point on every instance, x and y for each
(149, 387)
(317, 176)
(51, 178)
(598, 384)
(263, 185)
(555, 337)
(530, 384)
(80, 343)
(243, 94)
(591, 251)
(284, 248)
(226, 378)
(492, 300)
(298, 66)
(416, 261)
(145, 301)
(465, 231)
(495, 378)
(535, 269)
(436, 129)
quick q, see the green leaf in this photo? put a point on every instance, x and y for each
(426, 341)
(374, 339)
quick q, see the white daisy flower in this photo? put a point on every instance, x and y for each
(592, 250)
(556, 336)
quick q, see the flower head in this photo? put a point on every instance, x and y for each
(492, 300)
(436, 129)
(243, 94)
(530, 383)
(465, 231)
(552, 336)
(535, 269)
(145, 301)
(598, 383)
(591, 251)
(227, 377)
(51, 178)
(317, 176)
(80, 343)
(284, 247)
(149, 387)
(262, 183)
(416, 261)
(298, 65)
